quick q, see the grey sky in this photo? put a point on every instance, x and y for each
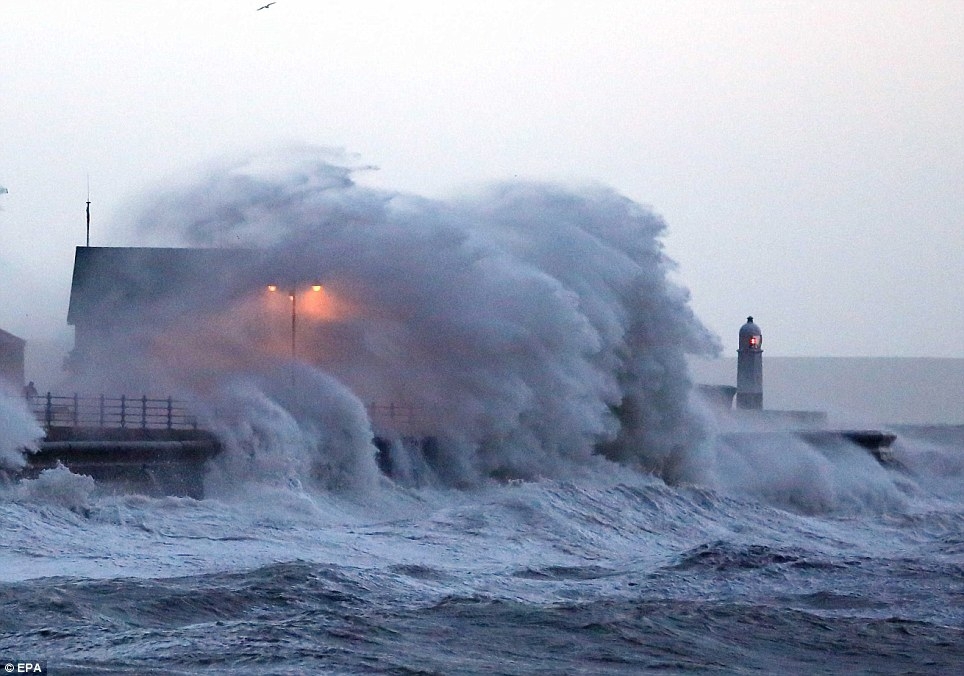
(807, 156)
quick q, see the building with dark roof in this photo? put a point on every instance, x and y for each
(120, 295)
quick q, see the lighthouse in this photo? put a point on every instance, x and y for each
(749, 367)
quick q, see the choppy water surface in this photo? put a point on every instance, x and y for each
(853, 568)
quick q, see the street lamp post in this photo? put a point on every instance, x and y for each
(293, 297)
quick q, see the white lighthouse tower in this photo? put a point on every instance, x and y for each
(749, 367)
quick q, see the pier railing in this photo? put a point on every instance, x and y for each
(111, 412)
(152, 413)
(394, 417)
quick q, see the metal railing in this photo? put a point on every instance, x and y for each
(395, 417)
(111, 412)
(143, 412)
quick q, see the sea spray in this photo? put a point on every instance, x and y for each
(19, 431)
(527, 326)
(275, 436)
(58, 487)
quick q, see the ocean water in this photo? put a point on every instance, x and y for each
(822, 563)
(524, 326)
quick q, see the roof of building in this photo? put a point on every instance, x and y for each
(10, 339)
(750, 329)
(119, 282)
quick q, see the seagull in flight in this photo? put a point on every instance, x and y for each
(264, 7)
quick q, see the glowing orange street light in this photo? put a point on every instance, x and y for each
(294, 322)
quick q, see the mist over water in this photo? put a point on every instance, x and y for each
(524, 326)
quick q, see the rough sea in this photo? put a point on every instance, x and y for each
(835, 565)
(579, 512)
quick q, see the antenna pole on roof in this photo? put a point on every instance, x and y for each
(88, 209)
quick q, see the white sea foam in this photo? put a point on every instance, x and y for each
(57, 487)
(19, 431)
(497, 538)
(525, 327)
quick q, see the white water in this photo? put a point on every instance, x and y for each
(529, 325)
(62, 524)
(19, 431)
(809, 553)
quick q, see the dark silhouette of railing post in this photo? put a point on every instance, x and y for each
(170, 412)
(123, 410)
(49, 411)
(102, 411)
(144, 412)
(76, 408)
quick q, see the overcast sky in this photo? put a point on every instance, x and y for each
(808, 157)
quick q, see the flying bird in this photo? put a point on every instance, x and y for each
(264, 7)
